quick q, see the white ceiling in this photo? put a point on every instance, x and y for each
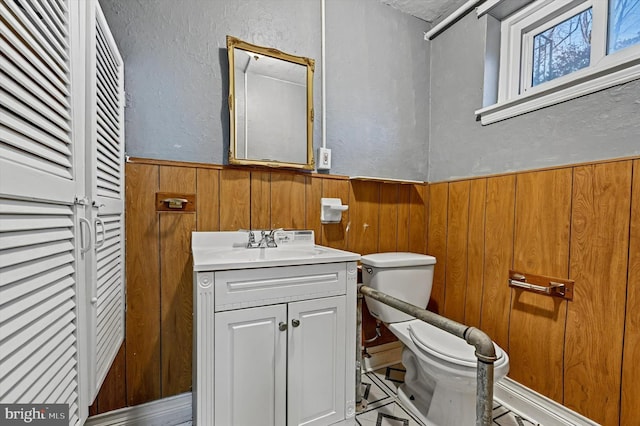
(429, 10)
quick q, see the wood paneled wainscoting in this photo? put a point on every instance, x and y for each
(155, 360)
(581, 223)
(578, 222)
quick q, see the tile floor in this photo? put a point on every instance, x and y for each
(384, 409)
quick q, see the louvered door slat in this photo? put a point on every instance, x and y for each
(109, 290)
(41, 26)
(18, 256)
(59, 293)
(50, 28)
(104, 140)
(39, 59)
(29, 151)
(107, 94)
(55, 16)
(108, 185)
(59, 8)
(62, 359)
(58, 392)
(12, 292)
(60, 312)
(35, 118)
(30, 377)
(38, 37)
(106, 91)
(18, 157)
(105, 159)
(34, 237)
(107, 134)
(58, 379)
(62, 5)
(18, 222)
(109, 120)
(107, 321)
(34, 267)
(35, 101)
(108, 174)
(31, 346)
(112, 339)
(41, 356)
(109, 85)
(39, 87)
(37, 137)
(107, 167)
(105, 51)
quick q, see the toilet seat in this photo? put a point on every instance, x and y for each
(445, 346)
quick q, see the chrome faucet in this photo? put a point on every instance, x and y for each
(267, 239)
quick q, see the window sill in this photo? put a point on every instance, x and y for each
(594, 80)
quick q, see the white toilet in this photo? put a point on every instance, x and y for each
(440, 382)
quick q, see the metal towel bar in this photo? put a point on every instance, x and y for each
(543, 285)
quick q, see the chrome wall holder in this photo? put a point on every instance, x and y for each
(556, 287)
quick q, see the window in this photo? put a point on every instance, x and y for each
(554, 50)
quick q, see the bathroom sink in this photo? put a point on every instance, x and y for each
(257, 254)
(228, 250)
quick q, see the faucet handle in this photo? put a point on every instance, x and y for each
(270, 239)
(252, 240)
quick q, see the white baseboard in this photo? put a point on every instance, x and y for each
(382, 356)
(536, 407)
(162, 412)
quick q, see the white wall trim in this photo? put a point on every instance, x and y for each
(594, 81)
(535, 406)
(162, 412)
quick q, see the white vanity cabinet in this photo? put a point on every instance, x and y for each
(274, 338)
(267, 361)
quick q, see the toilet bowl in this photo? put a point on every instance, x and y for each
(440, 379)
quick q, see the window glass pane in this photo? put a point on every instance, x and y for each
(562, 49)
(624, 24)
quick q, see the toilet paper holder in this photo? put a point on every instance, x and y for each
(557, 287)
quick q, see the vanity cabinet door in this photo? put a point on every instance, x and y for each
(250, 366)
(316, 380)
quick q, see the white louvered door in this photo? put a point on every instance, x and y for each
(61, 202)
(105, 129)
(41, 147)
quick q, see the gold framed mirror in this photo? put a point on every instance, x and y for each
(270, 107)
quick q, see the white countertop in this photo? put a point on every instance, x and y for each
(216, 251)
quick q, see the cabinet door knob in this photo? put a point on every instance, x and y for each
(295, 322)
(282, 326)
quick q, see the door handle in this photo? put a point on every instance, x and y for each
(97, 222)
(282, 326)
(295, 322)
(84, 247)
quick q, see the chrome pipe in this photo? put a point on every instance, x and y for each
(485, 351)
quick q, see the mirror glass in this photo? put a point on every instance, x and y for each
(271, 107)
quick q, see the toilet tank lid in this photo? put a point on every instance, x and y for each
(397, 259)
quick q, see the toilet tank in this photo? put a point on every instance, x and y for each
(405, 276)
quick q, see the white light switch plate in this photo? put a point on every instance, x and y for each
(324, 159)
